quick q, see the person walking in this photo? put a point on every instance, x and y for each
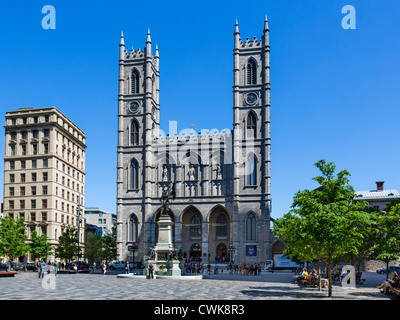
(151, 271)
(127, 268)
(55, 265)
(42, 265)
(103, 269)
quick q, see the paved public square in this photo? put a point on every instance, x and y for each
(95, 286)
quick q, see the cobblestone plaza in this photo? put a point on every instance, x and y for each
(222, 286)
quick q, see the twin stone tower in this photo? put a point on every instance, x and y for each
(221, 182)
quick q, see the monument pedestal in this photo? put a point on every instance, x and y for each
(163, 255)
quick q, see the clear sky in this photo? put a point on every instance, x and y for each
(335, 92)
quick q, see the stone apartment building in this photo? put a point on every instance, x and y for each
(221, 182)
(44, 171)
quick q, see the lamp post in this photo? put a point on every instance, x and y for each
(231, 250)
(79, 212)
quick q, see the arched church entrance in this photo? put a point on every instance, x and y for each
(221, 253)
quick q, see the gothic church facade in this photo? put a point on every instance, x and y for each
(222, 200)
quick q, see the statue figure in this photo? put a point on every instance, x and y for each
(191, 172)
(166, 194)
(165, 173)
(218, 171)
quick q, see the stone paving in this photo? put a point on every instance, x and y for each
(95, 286)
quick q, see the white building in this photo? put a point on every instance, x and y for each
(100, 218)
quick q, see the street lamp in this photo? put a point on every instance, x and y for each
(79, 212)
(231, 250)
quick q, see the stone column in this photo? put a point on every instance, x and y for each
(204, 243)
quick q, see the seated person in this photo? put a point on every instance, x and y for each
(302, 275)
(394, 282)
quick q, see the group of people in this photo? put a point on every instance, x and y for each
(194, 267)
(311, 276)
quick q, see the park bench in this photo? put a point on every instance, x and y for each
(8, 273)
(311, 283)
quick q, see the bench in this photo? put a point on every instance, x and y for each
(309, 282)
(72, 271)
(8, 274)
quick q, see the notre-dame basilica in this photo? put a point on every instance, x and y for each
(221, 182)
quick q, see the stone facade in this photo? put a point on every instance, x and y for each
(221, 181)
(44, 171)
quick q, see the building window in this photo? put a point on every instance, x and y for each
(11, 204)
(251, 125)
(35, 134)
(23, 150)
(46, 133)
(44, 189)
(222, 226)
(45, 176)
(22, 191)
(134, 175)
(44, 203)
(195, 226)
(35, 149)
(33, 191)
(22, 204)
(251, 72)
(24, 135)
(12, 165)
(251, 173)
(45, 163)
(33, 177)
(33, 204)
(23, 164)
(135, 82)
(22, 177)
(46, 148)
(133, 228)
(13, 150)
(13, 136)
(34, 164)
(135, 132)
(12, 178)
(11, 191)
(251, 227)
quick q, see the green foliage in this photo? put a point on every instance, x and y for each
(324, 223)
(109, 246)
(13, 238)
(93, 247)
(40, 248)
(67, 247)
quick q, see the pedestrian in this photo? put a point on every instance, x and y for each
(38, 269)
(55, 265)
(151, 270)
(103, 269)
(42, 265)
(209, 269)
(75, 268)
(127, 268)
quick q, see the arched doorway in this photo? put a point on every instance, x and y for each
(195, 252)
(221, 253)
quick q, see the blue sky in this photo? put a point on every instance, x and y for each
(334, 92)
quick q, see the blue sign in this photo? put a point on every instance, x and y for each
(251, 251)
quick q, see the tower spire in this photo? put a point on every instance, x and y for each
(122, 42)
(266, 24)
(148, 36)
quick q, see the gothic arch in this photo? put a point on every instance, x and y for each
(251, 226)
(134, 132)
(133, 228)
(251, 71)
(133, 174)
(135, 81)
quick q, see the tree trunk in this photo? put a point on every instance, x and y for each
(319, 275)
(387, 269)
(330, 276)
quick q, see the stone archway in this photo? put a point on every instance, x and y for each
(221, 253)
(192, 230)
(219, 233)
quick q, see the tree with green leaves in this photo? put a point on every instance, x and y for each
(67, 247)
(13, 239)
(324, 223)
(93, 247)
(109, 245)
(40, 247)
(388, 236)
